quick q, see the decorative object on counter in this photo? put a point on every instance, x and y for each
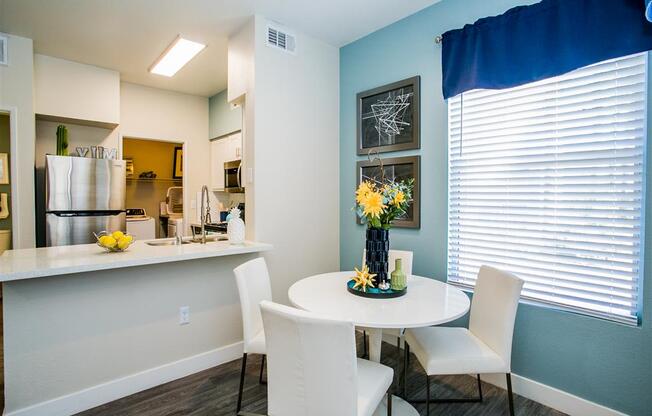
(4, 169)
(395, 170)
(388, 117)
(62, 140)
(235, 228)
(177, 170)
(379, 201)
(398, 279)
(150, 174)
(114, 242)
(97, 152)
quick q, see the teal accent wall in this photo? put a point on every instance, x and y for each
(222, 119)
(601, 361)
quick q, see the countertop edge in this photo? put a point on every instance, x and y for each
(252, 247)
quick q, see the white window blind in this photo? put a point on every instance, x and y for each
(546, 181)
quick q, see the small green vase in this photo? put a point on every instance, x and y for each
(399, 280)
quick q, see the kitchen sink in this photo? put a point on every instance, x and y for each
(164, 242)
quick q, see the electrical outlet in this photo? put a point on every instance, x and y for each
(184, 315)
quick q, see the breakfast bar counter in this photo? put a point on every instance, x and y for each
(53, 261)
(83, 326)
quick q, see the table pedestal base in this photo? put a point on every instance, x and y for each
(399, 408)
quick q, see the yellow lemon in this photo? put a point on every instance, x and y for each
(108, 241)
(117, 235)
(124, 242)
(127, 237)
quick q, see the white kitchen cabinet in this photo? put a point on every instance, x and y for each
(235, 146)
(224, 150)
(66, 91)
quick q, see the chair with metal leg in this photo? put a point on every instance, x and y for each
(313, 369)
(485, 347)
(254, 286)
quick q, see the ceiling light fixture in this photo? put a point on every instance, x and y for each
(179, 53)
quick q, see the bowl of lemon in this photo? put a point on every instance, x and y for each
(116, 241)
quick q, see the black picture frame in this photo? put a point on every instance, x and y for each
(177, 164)
(388, 117)
(397, 168)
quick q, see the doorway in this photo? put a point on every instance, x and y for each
(153, 167)
(5, 223)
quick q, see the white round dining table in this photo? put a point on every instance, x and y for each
(427, 302)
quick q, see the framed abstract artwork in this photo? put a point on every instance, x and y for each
(396, 169)
(388, 117)
(178, 163)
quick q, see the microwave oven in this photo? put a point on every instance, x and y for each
(233, 176)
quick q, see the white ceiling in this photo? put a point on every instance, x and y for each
(128, 35)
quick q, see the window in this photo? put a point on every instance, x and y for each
(546, 181)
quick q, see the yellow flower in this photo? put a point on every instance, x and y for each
(373, 204)
(361, 194)
(363, 278)
(399, 198)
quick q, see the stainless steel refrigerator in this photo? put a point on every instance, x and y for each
(82, 196)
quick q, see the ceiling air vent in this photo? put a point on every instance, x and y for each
(280, 39)
(4, 59)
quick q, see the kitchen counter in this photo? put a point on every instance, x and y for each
(53, 261)
(83, 326)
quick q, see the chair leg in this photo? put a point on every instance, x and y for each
(262, 367)
(242, 377)
(510, 395)
(406, 364)
(389, 403)
(427, 395)
(479, 388)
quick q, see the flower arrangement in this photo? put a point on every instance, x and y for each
(378, 205)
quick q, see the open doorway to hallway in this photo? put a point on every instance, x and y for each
(154, 183)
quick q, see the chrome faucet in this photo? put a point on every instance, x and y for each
(204, 213)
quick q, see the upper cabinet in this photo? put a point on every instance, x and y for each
(224, 150)
(74, 92)
(223, 118)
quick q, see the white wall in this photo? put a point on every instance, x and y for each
(294, 200)
(150, 113)
(241, 62)
(16, 86)
(73, 90)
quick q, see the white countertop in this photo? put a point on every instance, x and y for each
(52, 261)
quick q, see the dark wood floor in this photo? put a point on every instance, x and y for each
(214, 392)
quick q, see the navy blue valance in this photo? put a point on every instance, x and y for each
(546, 39)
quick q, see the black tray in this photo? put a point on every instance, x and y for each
(374, 292)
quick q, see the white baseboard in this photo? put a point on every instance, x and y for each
(550, 396)
(541, 393)
(125, 386)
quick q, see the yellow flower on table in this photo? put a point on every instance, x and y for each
(373, 204)
(363, 278)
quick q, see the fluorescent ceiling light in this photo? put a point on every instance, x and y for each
(179, 53)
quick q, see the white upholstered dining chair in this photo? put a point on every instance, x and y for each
(254, 287)
(312, 368)
(406, 261)
(485, 347)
